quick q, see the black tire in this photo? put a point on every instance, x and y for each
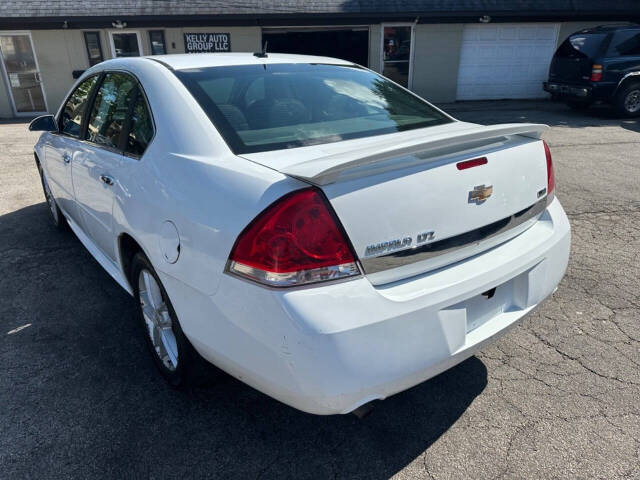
(627, 100)
(190, 369)
(57, 217)
(579, 106)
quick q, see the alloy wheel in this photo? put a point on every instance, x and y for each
(632, 101)
(157, 320)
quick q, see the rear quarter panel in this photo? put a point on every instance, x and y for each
(188, 176)
(617, 67)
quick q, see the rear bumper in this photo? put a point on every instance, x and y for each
(329, 349)
(581, 93)
(564, 90)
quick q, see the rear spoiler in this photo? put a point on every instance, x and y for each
(368, 160)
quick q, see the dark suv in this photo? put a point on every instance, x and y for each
(598, 64)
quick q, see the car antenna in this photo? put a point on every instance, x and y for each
(263, 53)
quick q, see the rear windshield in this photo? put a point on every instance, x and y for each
(259, 108)
(581, 45)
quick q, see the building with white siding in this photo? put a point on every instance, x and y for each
(443, 50)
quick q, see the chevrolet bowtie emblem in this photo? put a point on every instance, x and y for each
(480, 193)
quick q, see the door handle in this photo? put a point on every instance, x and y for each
(106, 179)
(66, 158)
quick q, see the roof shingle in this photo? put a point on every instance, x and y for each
(122, 8)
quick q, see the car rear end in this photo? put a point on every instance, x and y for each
(362, 328)
(576, 70)
(399, 254)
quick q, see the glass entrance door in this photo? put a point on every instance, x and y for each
(22, 74)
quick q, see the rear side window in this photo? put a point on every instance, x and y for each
(625, 43)
(70, 120)
(141, 130)
(111, 109)
(582, 45)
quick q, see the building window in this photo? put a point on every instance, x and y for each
(125, 44)
(158, 47)
(396, 53)
(94, 49)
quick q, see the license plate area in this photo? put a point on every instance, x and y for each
(483, 307)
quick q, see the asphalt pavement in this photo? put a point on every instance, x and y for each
(558, 397)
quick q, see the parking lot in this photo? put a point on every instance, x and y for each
(558, 397)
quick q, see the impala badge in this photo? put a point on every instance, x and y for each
(398, 244)
(480, 193)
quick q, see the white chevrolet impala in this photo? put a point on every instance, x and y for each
(303, 223)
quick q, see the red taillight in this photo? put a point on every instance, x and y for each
(551, 176)
(294, 241)
(596, 72)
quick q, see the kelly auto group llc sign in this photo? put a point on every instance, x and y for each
(207, 42)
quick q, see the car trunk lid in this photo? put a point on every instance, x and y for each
(397, 194)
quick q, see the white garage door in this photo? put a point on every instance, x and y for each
(508, 60)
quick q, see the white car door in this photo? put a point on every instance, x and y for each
(60, 146)
(99, 159)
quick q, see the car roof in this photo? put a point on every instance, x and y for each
(203, 60)
(610, 28)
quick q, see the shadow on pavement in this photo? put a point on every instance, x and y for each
(81, 396)
(538, 111)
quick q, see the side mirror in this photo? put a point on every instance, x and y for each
(44, 123)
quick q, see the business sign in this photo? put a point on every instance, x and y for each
(207, 42)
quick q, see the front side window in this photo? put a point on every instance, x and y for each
(158, 47)
(625, 43)
(141, 129)
(94, 49)
(278, 106)
(70, 120)
(111, 110)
